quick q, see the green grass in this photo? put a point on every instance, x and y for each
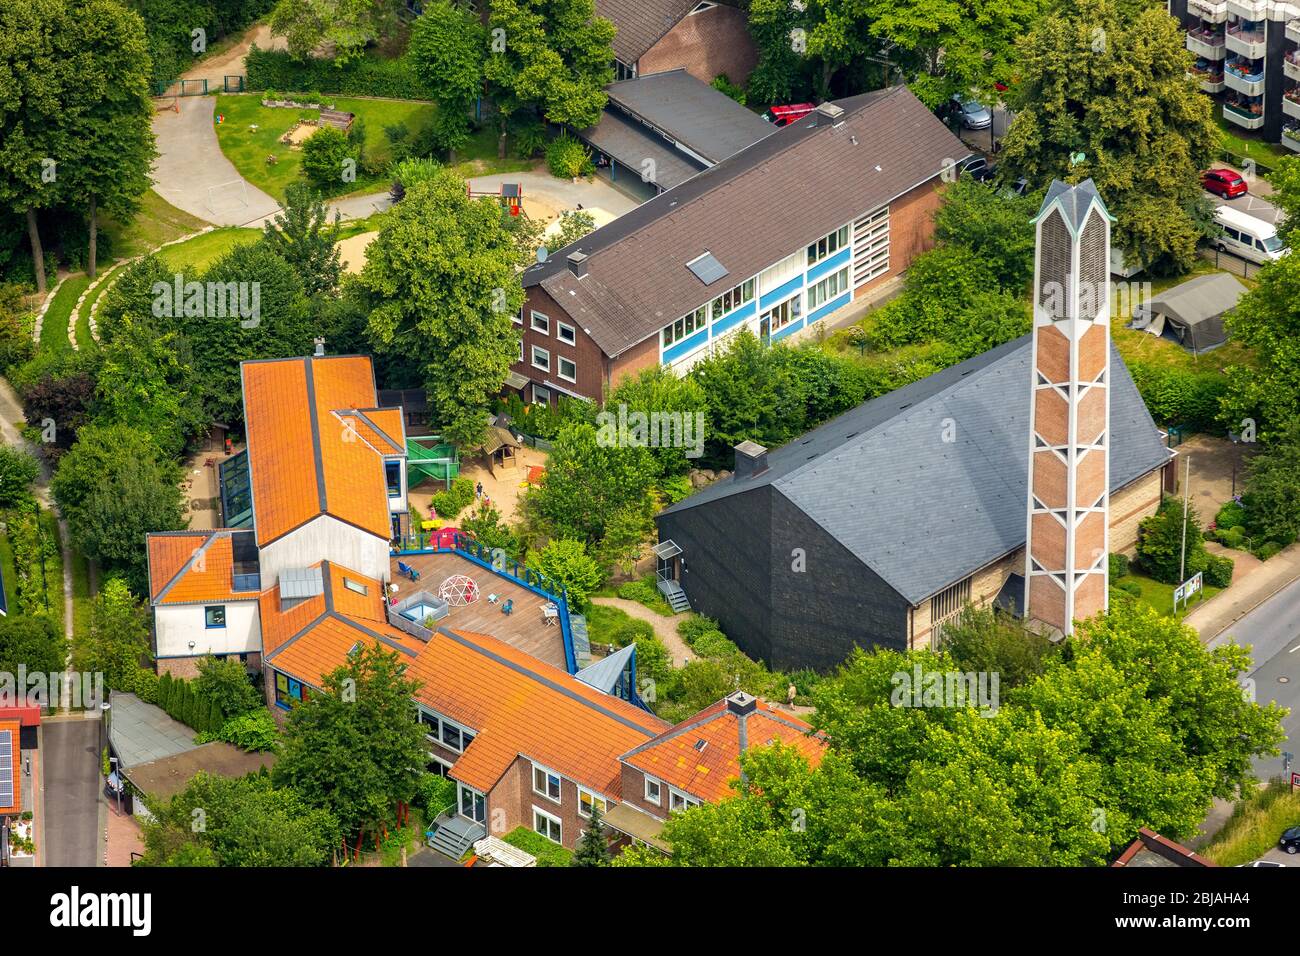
(84, 339)
(81, 596)
(1154, 350)
(248, 149)
(1160, 596)
(200, 252)
(1234, 141)
(479, 157)
(157, 221)
(1256, 823)
(54, 328)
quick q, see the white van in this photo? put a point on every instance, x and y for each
(1247, 237)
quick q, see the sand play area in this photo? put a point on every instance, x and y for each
(352, 251)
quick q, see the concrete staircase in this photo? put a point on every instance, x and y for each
(454, 835)
(676, 597)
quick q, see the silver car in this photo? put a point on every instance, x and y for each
(974, 115)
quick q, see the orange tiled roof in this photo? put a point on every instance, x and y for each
(517, 704)
(307, 455)
(15, 728)
(705, 771)
(192, 567)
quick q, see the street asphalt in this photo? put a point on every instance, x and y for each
(71, 784)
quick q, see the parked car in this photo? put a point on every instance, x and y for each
(973, 114)
(785, 115)
(1247, 237)
(1290, 840)
(1262, 863)
(1224, 182)
(978, 168)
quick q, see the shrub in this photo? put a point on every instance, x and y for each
(547, 853)
(1160, 542)
(1180, 396)
(723, 85)
(643, 591)
(323, 154)
(433, 794)
(18, 470)
(1118, 566)
(368, 76)
(529, 138)
(568, 158)
(253, 731)
(226, 683)
(631, 630)
(1230, 537)
(454, 500)
(1218, 570)
(1231, 515)
(652, 659)
(1267, 550)
(694, 626)
(714, 644)
(1130, 587)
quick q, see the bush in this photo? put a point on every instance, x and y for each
(18, 470)
(253, 731)
(547, 853)
(226, 684)
(434, 793)
(714, 644)
(723, 85)
(695, 626)
(1218, 570)
(1180, 396)
(644, 591)
(1231, 515)
(454, 500)
(323, 154)
(368, 76)
(567, 158)
(1230, 537)
(1118, 566)
(529, 138)
(1129, 587)
(1160, 543)
(630, 630)
(1267, 550)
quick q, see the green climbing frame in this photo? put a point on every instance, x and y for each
(430, 457)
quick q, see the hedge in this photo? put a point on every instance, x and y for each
(277, 70)
(1179, 396)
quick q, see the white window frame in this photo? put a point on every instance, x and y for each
(546, 352)
(521, 348)
(518, 319)
(658, 798)
(821, 288)
(828, 245)
(548, 773)
(551, 818)
(561, 328)
(544, 326)
(541, 388)
(679, 802)
(584, 792)
(684, 327)
(559, 368)
(355, 587)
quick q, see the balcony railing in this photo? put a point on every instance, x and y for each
(1291, 64)
(1248, 9)
(1246, 42)
(1208, 10)
(1244, 116)
(1293, 30)
(1291, 137)
(1204, 43)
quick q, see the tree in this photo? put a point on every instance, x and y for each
(778, 76)
(567, 566)
(1272, 498)
(1266, 322)
(63, 394)
(225, 683)
(658, 391)
(116, 642)
(587, 483)
(552, 56)
(38, 65)
(998, 227)
(593, 847)
(1107, 96)
(573, 225)
(18, 469)
(324, 156)
(353, 748)
(100, 452)
(247, 822)
(981, 639)
(345, 26)
(443, 279)
(109, 113)
(33, 643)
(302, 235)
(1169, 548)
(447, 49)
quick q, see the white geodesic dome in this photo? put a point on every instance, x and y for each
(458, 590)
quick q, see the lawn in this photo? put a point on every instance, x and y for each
(248, 149)
(54, 327)
(1137, 346)
(1256, 823)
(81, 596)
(1266, 154)
(10, 572)
(200, 252)
(1160, 596)
(479, 157)
(158, 221)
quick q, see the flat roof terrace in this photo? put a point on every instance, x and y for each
(525, 627)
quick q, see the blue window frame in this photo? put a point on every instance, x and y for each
(214, 615)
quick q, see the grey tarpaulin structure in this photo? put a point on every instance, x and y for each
(1191, 313)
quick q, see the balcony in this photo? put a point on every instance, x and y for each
(1291, 64)
(1209, 81)
(1291, 137)
(1207, 43)
(1244, 77)
(1248, 9)
(1291, 101)
(1246, 39)
(1208, 10)
(1244, 116)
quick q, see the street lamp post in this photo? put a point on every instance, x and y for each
(1236, 455)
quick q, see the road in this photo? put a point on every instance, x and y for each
(71, 783)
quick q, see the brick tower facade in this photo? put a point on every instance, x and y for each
(1066, 554)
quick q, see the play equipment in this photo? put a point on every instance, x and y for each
(510, 195)
(458, 590)
(428, 457)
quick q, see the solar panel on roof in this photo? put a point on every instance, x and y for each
(301, 583)
(6, 769)
(707, 269)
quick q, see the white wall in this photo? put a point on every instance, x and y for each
(325, 539)
(177, 624)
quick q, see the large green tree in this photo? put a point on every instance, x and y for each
(343, 27)
(1266, 321)
(1272, 497)
(551, 56)
(302, 234)
(116, 643)
(443, 279)
(448, 47)
(354, 748)
(1107, 96)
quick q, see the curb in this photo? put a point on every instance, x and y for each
(1249, 610)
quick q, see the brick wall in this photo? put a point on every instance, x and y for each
(188, 667)
(911, 231)
(705, 44)
(1128, 507)
(584, 353)
(510, 804)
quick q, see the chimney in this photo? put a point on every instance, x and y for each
(751, 460)
(578, 263)
(1067, 534)
(741, 703)
(320, 347)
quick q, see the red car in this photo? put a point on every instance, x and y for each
(785, 115)
(1224, 182)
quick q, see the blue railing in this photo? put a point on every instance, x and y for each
(498, 563)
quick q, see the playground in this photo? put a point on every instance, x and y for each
(502, 485)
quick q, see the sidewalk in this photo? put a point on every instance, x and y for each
(1246, 593)
(122, 836)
